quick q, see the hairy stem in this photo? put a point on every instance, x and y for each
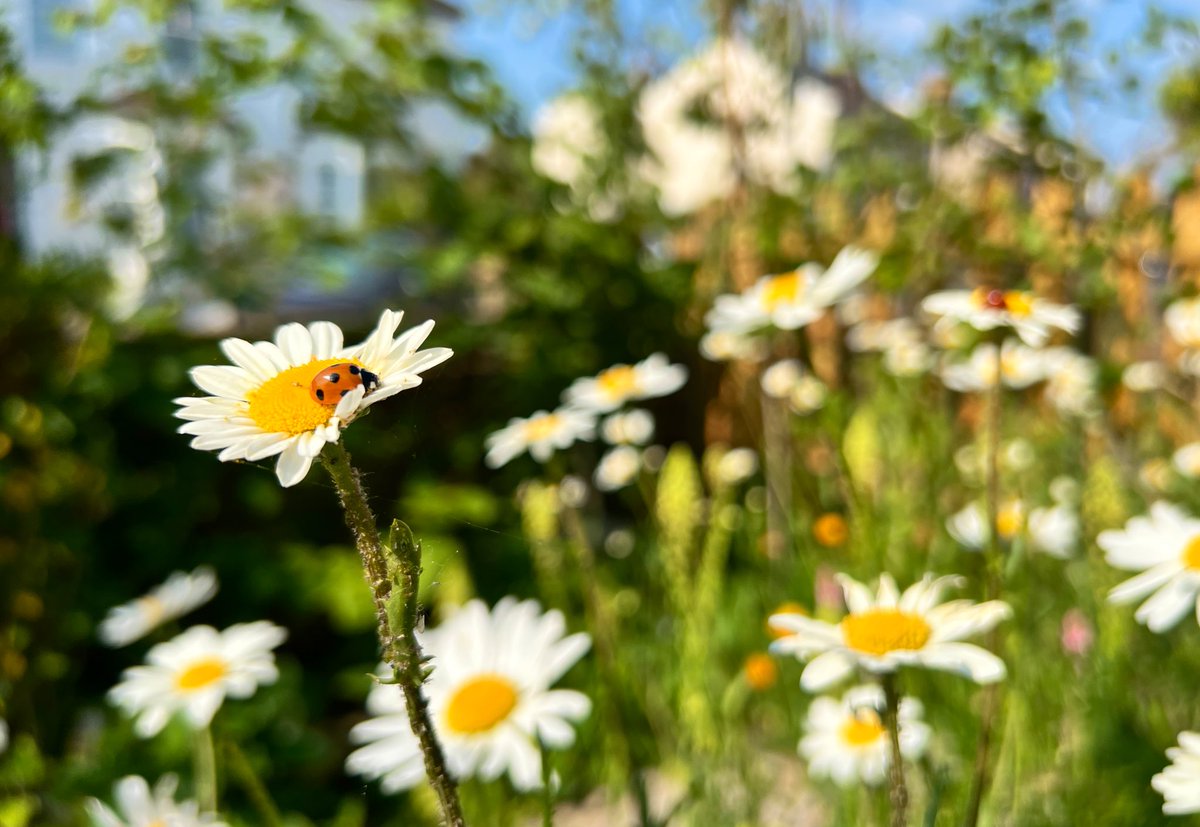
(897, 789)
(393, 573)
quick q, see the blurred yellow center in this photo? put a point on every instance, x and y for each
(284, 403)
(152, 607)
(618, 383)
(780, 289)
(864, 728)
(200, 674)
(1009, 522)
(879, 631)
(541, 428)
(480, 704)
(1191, 553)
(1018, 303)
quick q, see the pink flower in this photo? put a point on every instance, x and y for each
(1077, 634)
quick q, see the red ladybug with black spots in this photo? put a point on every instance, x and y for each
(335, 381)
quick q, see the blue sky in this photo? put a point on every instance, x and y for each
(530, 52)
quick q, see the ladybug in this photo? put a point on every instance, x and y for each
(335, 381)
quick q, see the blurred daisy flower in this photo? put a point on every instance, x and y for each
(900, 341)
(265, 404)
(194, 672)
(970, 526)
(845, 740)
(795, 299)
(1182, 319)
(181, 593)
(1187, 460)
(736, 466)
(1165, 546)
(887, 630)
(650, 378)
(1020, 367)
(139, 806)
(618, 468)
(1144, 377)
(489, 698)
(541, 435)
(725, 346)
(1054, 530)
(1029, 317)
(1071, 381)
(1179, 783)
(632, 427)
(779, 380)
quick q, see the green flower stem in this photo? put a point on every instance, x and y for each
(547, 787)
(897, 789)
(393, 573)
(205, 770)
(260, 798)
(993, 582)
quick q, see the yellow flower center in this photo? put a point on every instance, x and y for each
(1016, 302)
(480, 704)
(1009, 522)
(879, 631)
(862, 729)
(618, 383)
(200, 674)
(284, 403)
(780, 289)
(541, 427)
(152, 607)
(1191, 554)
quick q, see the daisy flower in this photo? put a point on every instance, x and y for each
(780, 379)
(725, 346)
(489, 698)
(899, 340)
(736, 465)
(618, 468)
(652, 377)
(1165, 546)
(180, 594)
(970, 526)
(1020, 367)
(792, 300)
(887, 630)
(541, 435)
(845, 740)
(632, 427)
(138, 806)
(1187, 460)
(1029, 317)
(1179, 783)
(1182, 319)
(193, 672)
(1054, 530)
(265, 403)
(1070, 381)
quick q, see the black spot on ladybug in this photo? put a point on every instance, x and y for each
(320, 394)
(335, 378)
(343, 393)
(354, 370)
